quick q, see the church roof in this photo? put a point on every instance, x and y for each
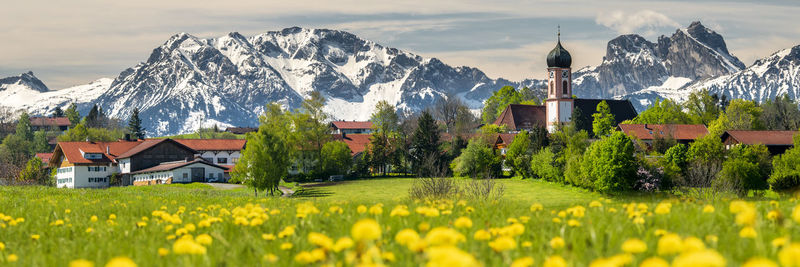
(621, 109)
(519, 116)
(559, 57)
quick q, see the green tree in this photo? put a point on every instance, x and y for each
(93, 118)
(518, 154)
(336, 158)
(33, 173)
(603, 123)
(580, 122)
(701, 107)
(610, 164)
(746, 168)
(310, 133)
(58, 112)
(73, 115)
(24, 130)
(708, 148)
(739, 115)
(385, 135)
(785, 176)
(543, 166)
(781, 114)
(135, 125)
(674, 164)
(663, 112)
(40, 144)
(425, 146)
(478, 160)
(264, 162)
(498, 102)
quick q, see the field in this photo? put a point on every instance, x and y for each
(372, 222)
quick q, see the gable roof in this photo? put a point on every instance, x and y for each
(352, 124)
(505, 138)
(45, 157)
(676, 131)
(46, 121)
(72, 151)
(168, 166)
(519, 116)
(621, 109)
(356, 142)
(149, 143)
(213, 144)
(767, 138)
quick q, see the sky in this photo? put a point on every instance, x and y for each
(67, 43)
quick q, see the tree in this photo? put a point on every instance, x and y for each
(135, 125)
(746, 168)
(663, 112)
(310, 132)
(579, 122)
(336, 158)
(92, 119)
(603, 122)
(518, 154)
(708, 148)
(610, 164)
(457, 117)
(58, 112)
(383, 142)
(543, 166)
(264, 162)
(425, 145)
(40, 143)
(781, 114)
(498, 102)
(24, 130)
(785, 176)
(73, 115)
(478, 160)
(739, 115)
(702, 108)
(33, 173)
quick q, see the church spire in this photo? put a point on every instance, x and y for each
(559, 33)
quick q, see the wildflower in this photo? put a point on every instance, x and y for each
(663, 208)
(693, 244)
(554, 261)
(406, 237)
(335, 209)
(708, 209)
(400, 210)
(482, 235)
(121, 262)
(141, 224)
(712, 239)
(708, 258)
(469, 209)
(536, 207)
(286, 246)
(163, 252)
(204, 239)
(12, 258)
(268, 237)
(444, 236)
(81, 263)
(376, 209)
(654, 262)
(760, 262)
(746, 216)
(774, 215)
(748, 232)
(556, 220)
(660, 232)
(388, 256)
(361, 209)
(93, 218)
(557, 242)
(424, 227)
(737, 206)
(449, 256)
(67, 211)
(89, 230)
(35, 237)
(522, 262)
(780, 241)
(573, 223)
(638, 220)
(617, 260)
(503, 243)
(57, 223)
(188, 246)
(595, 204)
(790, 255)
(365, 230)
(271, 258)
(112, 216)
(527, 244)
(342, 244)
(463, 222)
(287, 231)
(634, 246)
(2, 246)
(670, 244)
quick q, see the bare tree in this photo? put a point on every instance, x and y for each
(454, 113)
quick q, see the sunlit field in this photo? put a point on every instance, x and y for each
(535, 224)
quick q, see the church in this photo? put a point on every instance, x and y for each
(560, 105)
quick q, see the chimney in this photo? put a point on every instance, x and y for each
(108, 150)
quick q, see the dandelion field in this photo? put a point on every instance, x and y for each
(198, 226)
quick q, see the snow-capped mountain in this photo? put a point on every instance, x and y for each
(188, 82)
(633, 64)
(27, 92)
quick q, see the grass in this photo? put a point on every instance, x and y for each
(149, 219)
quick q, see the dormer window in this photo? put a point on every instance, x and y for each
(93, 156)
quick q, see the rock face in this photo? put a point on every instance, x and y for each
(26, 80)
(632, 63)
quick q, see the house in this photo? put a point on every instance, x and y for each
(502, 142)
(776, 142)
(682, 133)
(241, 130)
(351, 127)
(45, 157)
(47, 124)
(182, 171)
(560, 104)
(91, 164)
(356, 142)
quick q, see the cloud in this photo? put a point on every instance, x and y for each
(644, 20)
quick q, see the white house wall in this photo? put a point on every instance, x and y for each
(230, 156)
(80, 177)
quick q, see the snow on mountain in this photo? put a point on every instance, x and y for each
(29, 93)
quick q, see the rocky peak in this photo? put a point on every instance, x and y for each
(27, 79)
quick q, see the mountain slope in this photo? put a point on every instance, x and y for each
(27, 92)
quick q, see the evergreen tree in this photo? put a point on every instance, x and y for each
(780, 114)
(24, 130)
(579, 122)
(425, 145)
(603, 123)
(91, 120)
(73, 115)
(58, 112)
(40, 144)
(135, 125)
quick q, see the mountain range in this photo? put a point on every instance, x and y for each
(189, 82)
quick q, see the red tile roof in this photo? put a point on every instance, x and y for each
(72, 151)
(518, 116)
(46, 121)
(769, 138)
(352, 124)
(677, 131)
(44, 156)
(214, 144)
(168, 166)
(356, 142)
(506, 138)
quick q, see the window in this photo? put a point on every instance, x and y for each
(209, 159)
(234, 160)
(552, 88)
(222, 160)
(185, 176)
(566, 86)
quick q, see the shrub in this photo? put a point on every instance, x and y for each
(707, 148)
(482, 190)
(478, 160)
(336, 158)
(747, 168)
(649, 179)
(610, 164)
(518, 155)
(786, 171)
(433, 188)
(542, 166)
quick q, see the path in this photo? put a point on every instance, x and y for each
(224, 186)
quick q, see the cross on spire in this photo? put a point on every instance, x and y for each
(559, 33)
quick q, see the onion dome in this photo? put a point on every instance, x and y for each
(559, 57)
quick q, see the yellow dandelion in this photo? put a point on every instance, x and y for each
(12, 258)
(163, 252)
(523, 262)
(35, 237)
(554, 261)
(204, 239)
(663, 208)
(708, 209)
(81, 263)
(2, 246)
(93, 218)
(141, 224)
(654, 262)
(503, 243)
(707, 258)
(573, 223)
(361, 209)
(790, 255)
(271, 258)
(774, 215)
(780, 242)
(444, 236)
(286, 246)
(406, 237)
(268, 237)
(424, 227)
(634, 246)
(342, 244)
(121, 262)
(557, 243)
(482, 235)
(670, 244)
(536, 207)
(188, 246)
(748, 232)
(760, 262)
(463, 222)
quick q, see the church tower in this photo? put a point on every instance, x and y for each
(559, 86)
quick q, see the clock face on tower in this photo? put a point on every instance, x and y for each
(564, 74)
